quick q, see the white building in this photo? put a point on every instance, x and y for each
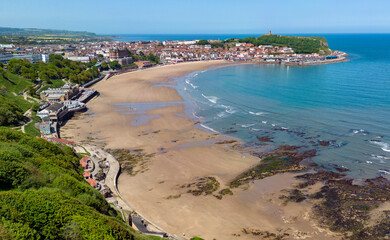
(4, 46)
(84, 59)
(45, 58)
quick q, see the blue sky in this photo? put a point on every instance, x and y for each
(199, 16)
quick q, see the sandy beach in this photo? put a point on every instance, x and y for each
(183, 153)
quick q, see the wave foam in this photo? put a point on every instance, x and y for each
(385, 171)
(221, 114)
(384, 146)
(248, 125)
(256, 113)
(380, 157)
(212, 99)
(359, 131)
(209, 128)
(230, 110)
(193, 86)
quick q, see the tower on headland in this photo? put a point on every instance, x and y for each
(269, 32)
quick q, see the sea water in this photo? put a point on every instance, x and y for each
(346, 104)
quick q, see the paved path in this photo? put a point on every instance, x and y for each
(28, 115)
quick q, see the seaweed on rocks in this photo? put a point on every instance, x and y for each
(294, 195)
(203, 186)
(132, 161)
(284, 159)
(264, 139)
(345, 206)
(265, 234)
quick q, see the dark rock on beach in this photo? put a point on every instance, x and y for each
(264, 139)
(345, 206)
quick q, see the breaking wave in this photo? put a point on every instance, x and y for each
(212, 99)
(256, 113)
(384, 146)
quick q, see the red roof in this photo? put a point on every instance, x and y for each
(86, 174)
(91, 182)
(84, 161)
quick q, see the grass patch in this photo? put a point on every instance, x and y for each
(13, 82)
(57, 83)
(18, 100)
(31, 130)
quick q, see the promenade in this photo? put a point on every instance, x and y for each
(110, 181)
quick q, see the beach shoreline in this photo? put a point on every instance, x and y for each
(181, 154)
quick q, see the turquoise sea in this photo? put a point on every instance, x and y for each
(346, 104)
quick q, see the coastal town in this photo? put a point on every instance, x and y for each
(110, 58)
(58, 104)
(168, 52)
(195, 120)
(63, 112)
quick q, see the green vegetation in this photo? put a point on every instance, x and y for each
(54, 83)
(142, 57)
(44, 196)
(31, 130)
(298, 44)
(10, 112)
(57, 69)
(104, 66)
(197, 238)
(203, 42)
(12, 82)
(31, 36)
(213, 45)
(115, 65)
(12, 106)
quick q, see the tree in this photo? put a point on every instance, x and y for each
(53, 57)
(203, 42)
(115, 65)
(152, 58)
(43, 76)
(103, 66)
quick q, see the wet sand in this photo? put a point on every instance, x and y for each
(184, 152)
